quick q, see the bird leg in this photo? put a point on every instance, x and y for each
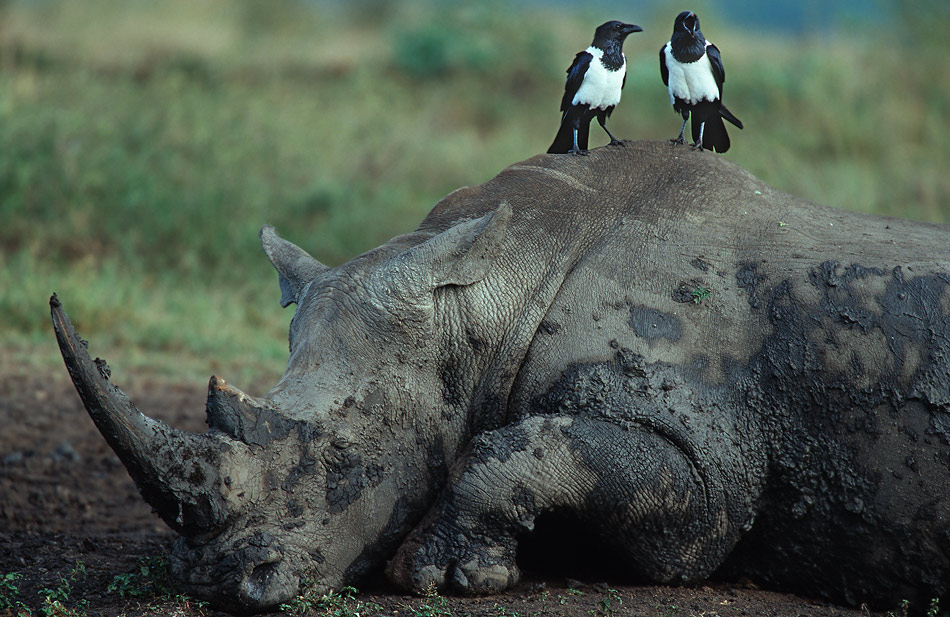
(613, 140)
(699, 142)
(680, 140)
(576, 149)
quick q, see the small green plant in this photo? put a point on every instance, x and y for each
(903, 607)
(502, 611)
(9, 595)
(342, 603)
(700, 293)
(434, 606)
(125, 585)
(610, 603)
(185, 602)
(8, 587)
(562, 600)
(55, 599)
(671, 610)
(934, 609)
(150, 580)
(544, 604)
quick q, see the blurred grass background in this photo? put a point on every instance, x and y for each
(143, 144)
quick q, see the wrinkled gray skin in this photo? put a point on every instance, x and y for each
(541, 344)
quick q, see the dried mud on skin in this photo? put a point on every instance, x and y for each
(65, 498)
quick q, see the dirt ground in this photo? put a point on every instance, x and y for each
(65, 498)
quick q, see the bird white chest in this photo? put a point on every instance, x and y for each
(691, 81)
(601, 87)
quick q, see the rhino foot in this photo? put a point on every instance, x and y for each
(440, 559)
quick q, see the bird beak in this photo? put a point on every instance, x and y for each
(631, 28)
(685, 25)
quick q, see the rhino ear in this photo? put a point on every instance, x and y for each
(294, 265)
(461, 255)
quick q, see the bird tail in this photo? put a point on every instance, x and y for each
(564, 140)
(715, 136)
(725, 113)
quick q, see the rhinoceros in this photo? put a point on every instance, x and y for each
(647, 343)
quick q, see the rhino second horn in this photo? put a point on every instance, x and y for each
(176, 472)
(244, 418)
(295, 266)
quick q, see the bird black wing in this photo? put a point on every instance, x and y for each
(715, 61)
(719, 74)
(575, 77)
(664, 71)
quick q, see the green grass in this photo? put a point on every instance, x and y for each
(143, 145)
(9, 594)
(58, 601)
(148, 588)
(342, 603)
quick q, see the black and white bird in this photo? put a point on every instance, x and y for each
(692, 69)
(593, 86)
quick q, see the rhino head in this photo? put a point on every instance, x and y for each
(318, 481)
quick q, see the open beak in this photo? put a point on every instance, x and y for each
(689, 22)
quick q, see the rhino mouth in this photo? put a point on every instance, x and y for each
(248, 580)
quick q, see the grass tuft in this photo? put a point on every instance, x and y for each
(342, 603)
(143, 145)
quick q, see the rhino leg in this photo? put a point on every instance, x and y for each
(667, 511)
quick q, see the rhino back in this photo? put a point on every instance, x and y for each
(823, 335)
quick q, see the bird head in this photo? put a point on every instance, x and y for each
(687, 23)
(613, 31)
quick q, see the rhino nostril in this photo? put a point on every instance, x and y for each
(259, 581)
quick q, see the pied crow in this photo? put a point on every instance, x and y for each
(593, 86)
(692, 69)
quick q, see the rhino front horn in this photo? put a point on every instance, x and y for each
(176, 472)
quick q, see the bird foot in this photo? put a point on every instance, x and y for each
(698, 146)
(617, 142)
(679, 141)
(577, 152)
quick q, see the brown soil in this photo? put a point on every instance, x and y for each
(65, 498)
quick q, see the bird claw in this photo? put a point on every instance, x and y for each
(698, 146)
(679, 141)
(617, 142)
(577, 152)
